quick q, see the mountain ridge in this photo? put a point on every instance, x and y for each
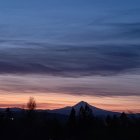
(66, 110)
(96, 111)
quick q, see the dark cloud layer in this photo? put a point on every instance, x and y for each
(70, 60)
(82, 22)
(120, 85)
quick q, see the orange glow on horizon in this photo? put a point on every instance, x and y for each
(57, 100)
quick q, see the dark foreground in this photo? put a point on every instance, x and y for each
(31, 125)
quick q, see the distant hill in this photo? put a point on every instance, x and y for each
(63, 112)
(96, 111)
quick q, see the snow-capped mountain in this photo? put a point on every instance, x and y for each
(96, 111)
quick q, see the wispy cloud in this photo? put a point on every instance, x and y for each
(70, 60)
(126, 85)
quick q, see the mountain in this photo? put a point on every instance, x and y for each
(96, 111)
(11, 109)
(64, 112)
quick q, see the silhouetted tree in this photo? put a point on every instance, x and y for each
(31, 105)
(108, 120)
(8, 113)
(81, 113)
(88, 112)
(88, 116)
(72, 118)
(123, 119)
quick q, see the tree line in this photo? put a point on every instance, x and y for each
(31, 124)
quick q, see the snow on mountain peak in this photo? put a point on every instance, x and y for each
(82, 103)
(95, 110)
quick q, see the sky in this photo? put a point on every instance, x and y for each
(62, 52)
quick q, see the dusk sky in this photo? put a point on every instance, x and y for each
(63, 51)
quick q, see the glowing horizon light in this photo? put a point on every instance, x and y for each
(63, 52)
(55, 101)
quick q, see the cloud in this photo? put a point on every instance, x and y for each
(126, 85)
(70, 60)
(126, 30)
(118, 55)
